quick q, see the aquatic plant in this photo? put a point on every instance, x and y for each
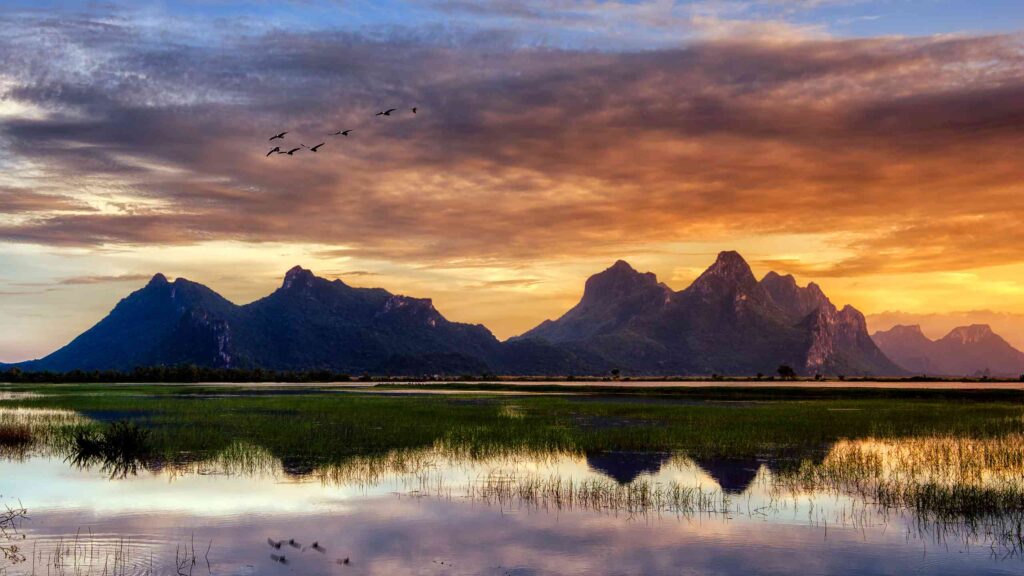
(10, 517)
(15, 435)
(121, 448)
(24, 429)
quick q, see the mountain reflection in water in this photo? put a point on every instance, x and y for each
(733, 475)
(518, 511)
(410, 519)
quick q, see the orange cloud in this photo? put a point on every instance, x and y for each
(891, 156)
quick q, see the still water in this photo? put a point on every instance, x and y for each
(437, 514)
(854, 506)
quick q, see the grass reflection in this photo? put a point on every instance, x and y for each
(957, 467)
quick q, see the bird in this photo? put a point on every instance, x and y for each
(293, 151)
(386, 112)
(340, 561)
(274, 544)
(413, 109)
(315, 148)
(294, 544)
(282, 559)
(279, 136)
(316, 546)
(274, 149)
(341, 132)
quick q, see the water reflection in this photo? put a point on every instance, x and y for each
(733, 475)
(922, 505)
(625, 467)
(145, 522)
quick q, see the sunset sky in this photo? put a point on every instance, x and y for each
(872, 146)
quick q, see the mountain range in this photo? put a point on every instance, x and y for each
(966, 351)
(726, 322)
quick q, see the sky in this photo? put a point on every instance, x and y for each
(870, 146)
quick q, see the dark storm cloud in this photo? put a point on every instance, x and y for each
(521, 153)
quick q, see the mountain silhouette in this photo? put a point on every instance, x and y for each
(967, 351)
(726, 322)
(308, 323)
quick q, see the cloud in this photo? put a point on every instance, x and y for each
(21, 201)
(344, 273)
(78, 280)
(901, 149)
(510, 283)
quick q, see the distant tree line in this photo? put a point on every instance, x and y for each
(193, 374)
(182, 374)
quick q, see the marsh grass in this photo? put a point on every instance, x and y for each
(945, 476)
(87, 554)
(639, 497)
(326, 426)
(950, 460)
(25, 429)
(15, 435)
(121, 448)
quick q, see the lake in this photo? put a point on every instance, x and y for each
(151, 480)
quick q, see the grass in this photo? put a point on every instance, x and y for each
(638, 497)
(945, 455)
(950, 477)
(120, 448)
(21, 429)
(319, 427)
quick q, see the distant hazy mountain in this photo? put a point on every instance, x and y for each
(966, 351)
(726, 322)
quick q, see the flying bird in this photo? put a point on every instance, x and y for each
(274, 149)
(413, 109)
(341, 132)
(276, 544)
(293, 151)
(386, 112)
(282, 559)
(294, 544)
(278, 137)
(315, 148)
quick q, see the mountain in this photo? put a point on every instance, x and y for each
(966, 351)
(725, 322)
(163, 323)
(307, 323)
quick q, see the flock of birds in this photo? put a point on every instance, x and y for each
(291, 151)
(282, 559)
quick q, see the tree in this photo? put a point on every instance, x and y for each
(786, 372)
